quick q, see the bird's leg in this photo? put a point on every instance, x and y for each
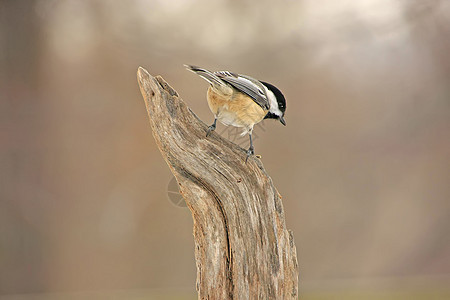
(250, 150)
(212, 127)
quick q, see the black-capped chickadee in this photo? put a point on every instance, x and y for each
(241, 100)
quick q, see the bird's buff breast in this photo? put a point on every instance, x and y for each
(237, 109)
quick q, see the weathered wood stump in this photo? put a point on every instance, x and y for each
(242, 247)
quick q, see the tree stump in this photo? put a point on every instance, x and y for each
(242, 247)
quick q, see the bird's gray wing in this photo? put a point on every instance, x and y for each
(247, 85)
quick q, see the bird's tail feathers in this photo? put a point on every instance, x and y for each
(207, 75)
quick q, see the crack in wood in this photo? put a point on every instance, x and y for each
(198, 181)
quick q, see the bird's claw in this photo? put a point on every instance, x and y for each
(210, 129)
(250, 152)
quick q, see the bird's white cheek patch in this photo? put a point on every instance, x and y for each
(273, 103)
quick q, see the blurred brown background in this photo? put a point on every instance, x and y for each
(363, 165)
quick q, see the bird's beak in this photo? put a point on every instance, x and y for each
(282, 121)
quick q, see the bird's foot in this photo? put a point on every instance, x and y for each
(210, 129)
(250, 152)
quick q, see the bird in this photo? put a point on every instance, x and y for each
(241, 101)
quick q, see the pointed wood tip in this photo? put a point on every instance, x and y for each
(142, 74)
